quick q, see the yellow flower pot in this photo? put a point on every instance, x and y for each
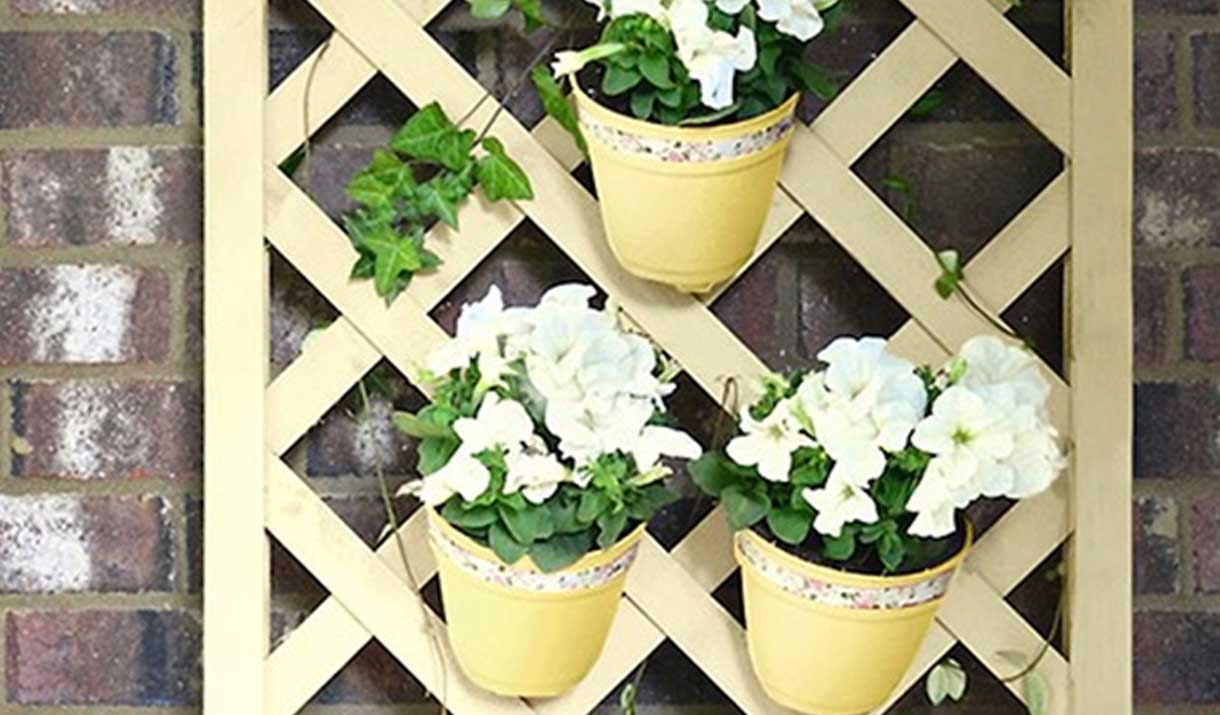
(684, 205)
(518, 631)
(828, 642)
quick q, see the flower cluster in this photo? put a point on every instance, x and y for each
(873, 449)
(537, 405)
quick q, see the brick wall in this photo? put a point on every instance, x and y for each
(100, 361)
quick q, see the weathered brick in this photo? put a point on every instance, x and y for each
(65, 543)
(1175, 658)
(84, 314)
(192, 298)
(1201, 285)
(1206, 48)
(1174, 7)
(96, 429)
(341, 445)
(296, 309)
(120, 78)
(1156, 86)
(833, 290)
(135, 658)
(752, 308)
(963, 192)
(1156, 545)
(1151, 285)
(185, 8)
(1206, 528)
(1177, 429)
(126, 196)
(1177, 197)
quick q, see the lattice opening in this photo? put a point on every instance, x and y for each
(985, 694)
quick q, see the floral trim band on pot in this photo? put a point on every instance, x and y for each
(496, 572)
(680, 151)
(841, 596)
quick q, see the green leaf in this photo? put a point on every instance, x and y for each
(931, 101)
(488, 9)
(610, 525)
(368, 190)
(951, 273)
(710, 117)
(508, 549)
(475, 517)
(557, 105)
(655, 68)
(648, 501)
(892, 551)
(618, 80)
(412, 426)
(394, 254)
(946, 680)
(531, 10)
(745, 507)
(434, 453)
(711, 474)
(561, 550)
(642, 102)
(527, 525)
(500, 176)
(429, 136)
(290, 165)
(813, 79)
(790, 525)
(841, 547)
(1037, 693)
(592, 504)
(435, 201)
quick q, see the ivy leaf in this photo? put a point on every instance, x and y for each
(368, 190)
(488, 9)
(434, 200)
(951, 273)
(946, 680)
(508, 549)
(745, 507)
(500, 176)
(561, 550)
(790, 525)
(394, 254)
(557, 105)
(429, 136)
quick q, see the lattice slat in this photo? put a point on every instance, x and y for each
(669, 593)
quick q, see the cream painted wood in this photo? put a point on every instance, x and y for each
(386, 36)
(236, 593)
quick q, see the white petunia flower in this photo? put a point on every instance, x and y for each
(535, 472)
(798, 18)
(655, 442)
(712, 57)
(769, 443)
(653, 8)
(934, 507)
(499, 423)
(732, 7)
(969, 439)
(478, 330)
(463, 475)
(1036, 461)
(840, 502)
(990, 361)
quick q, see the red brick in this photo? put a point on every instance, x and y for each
(135, 658)
(1156, 84)
(1151, 315)
(127, 196)
(95, 429)
(1156, 545)
(1206, 529)
(192, 298)
(82, 79)
(1206, 49)
(66, 543)
(185, 8)
(1175, 658)
(341, 445)
(753, 308)
(93, 313)
(1167, 7)
(1177, 429)
(1177, 197)
(297, 308)
(1201, 286)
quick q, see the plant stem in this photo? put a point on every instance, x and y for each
(392, 516)
(1046, 643)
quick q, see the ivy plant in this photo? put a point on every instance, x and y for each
(425, 175)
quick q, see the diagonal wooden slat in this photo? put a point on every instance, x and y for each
(1006, 59)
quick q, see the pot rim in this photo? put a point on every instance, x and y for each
(664, 131)
(591, 560)
(854, 578)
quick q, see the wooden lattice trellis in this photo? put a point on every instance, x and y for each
(250, 491)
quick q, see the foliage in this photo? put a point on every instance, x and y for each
(513, 457)
(397, 203)
(946, 680)
(866, 462)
